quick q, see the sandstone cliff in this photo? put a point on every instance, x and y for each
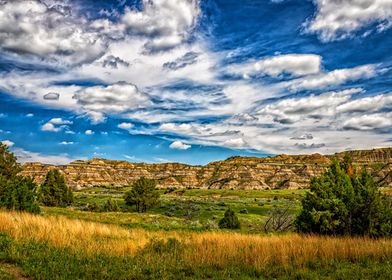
(283, 171)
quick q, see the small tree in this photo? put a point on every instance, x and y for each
(54, 191)
(16, 192)
(230, 220)
(110, 206)
(143, 194)
(341, 202)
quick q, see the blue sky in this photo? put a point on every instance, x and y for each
(193, 81)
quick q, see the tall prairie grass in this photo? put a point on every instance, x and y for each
(219, 249)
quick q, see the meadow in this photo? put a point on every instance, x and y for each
(179, 239)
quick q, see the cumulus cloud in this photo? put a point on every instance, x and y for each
(89, 132)
(29, 115)
(179, 145)
(56, 125)
(43, 30)
(293, 64)
(52, 96)
(289, 111)
(8, 143)
(369, 122)
(236, 142)
(332, 78)
(367, 104)
(117, 98)
(336, 20)
(125, 125)
(166, 23)
(175, 127)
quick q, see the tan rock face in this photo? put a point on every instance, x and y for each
(283, 171)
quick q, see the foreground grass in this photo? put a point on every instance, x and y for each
(62, 248)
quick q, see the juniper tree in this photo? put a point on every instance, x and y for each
(16, 192)
(143, 194)
(342, 202)
(54, 191)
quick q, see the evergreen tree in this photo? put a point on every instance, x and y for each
(9, 167)
(143, 194)
(54, 191)
(230, 220)
(16, 192)
(341, 202)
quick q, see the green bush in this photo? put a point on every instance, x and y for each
(230, 220)
(341, 202)
(143, 194)
(16, 192)
(110, 206)
(54, 191)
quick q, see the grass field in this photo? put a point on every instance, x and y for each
(63, 248)
(194, 209)
(179, 239)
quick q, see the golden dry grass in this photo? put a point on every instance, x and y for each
(212, 248)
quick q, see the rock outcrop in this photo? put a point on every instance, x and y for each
(282, 171)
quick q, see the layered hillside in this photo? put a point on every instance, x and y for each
(283, 171)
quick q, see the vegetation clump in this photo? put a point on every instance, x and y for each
(143, 194)
(54, 191)
(230, 220)
(344, 202)
(16, 192)
(110, 206)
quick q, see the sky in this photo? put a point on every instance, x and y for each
(193, 81)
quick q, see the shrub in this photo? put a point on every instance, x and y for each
(110, 206)
(341, 202)
(54, 191)
(19, 193)
(243, 211)
(279, 219)
(143, 194)
(230, 220)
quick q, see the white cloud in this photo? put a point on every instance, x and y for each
(89, 132)
(333, 78)
(175, 127)
(125, 125)
(113, 99)
(367, 104)
(336, 20)
(179, 145)
(294, 64)
(165, 22)
(292, 110)
(29, 115)
(28, 156)
(66, 143)
(8, 143)
(369, 121)
(56, 125)
(32, 27)
(236, 142)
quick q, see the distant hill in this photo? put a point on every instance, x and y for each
(282, 171)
